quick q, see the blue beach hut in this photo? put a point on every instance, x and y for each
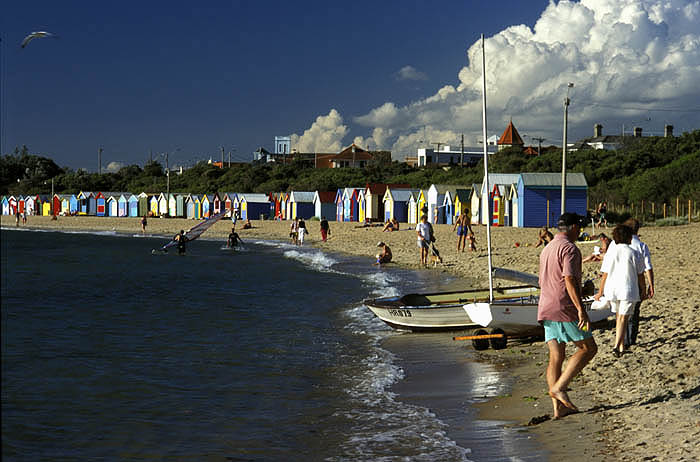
(123, 205)
(253, 206)
(539, 198)
(133, 200)
(339, 205)
(396, 204)
(302, 204)
(86, 203)
(5, 206)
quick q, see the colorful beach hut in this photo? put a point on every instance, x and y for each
(12, 203)
(462, 203)
(254, 206)
(488, 212)
(513, 200)
(207, 205)
(413, 208)
(100, 204)
(87, 204)
(324, 205)
(350, 204)
(29, 206)
(216, 203)
(302, 204)
(227, 201)
(56, 205)
(197, 199)
(396, 204)
(112, 206)
(123, 205)
(5, 206)
(539, 197)
(189, 207)
(20, 204)
(134, 201)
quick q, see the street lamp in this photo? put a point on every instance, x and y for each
(563, 153)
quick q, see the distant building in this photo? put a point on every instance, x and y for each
(283, 144)
(510, 138)
(447, 156)
(351, 157)
(610, 142)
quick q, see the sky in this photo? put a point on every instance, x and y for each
(140, 79)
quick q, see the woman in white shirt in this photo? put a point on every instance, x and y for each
(423, 230)
(622, 283)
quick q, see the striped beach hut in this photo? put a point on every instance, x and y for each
(20, 204)
(197, 200)
(350, 204)
(302, 204)
(339, 205)
(396, 204)
(227, 201)
(12, 203)
(237, 198)
(539, 197)
(487, 194)
(134, 201)
(254, 206)
(324, 204)
(123, 205)
(513, 219)
(112, 206)
(5, 206)
(498, 204)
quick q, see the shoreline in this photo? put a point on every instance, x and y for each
(643, 405)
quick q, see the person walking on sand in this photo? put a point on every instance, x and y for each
(622, 283)
(561, 312)
(643, 249)
(294, 231)
(601, 211)
(325, 229)
(301, 232)
(464, 229)
(144, 223)
(423, 230)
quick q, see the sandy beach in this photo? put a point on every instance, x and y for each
(642, 406)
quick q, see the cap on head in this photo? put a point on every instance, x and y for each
(569, 219)
(380, 244)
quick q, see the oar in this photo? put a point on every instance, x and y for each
(479, 337)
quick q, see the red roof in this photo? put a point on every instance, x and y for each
(530, 151)
(380, 188)
(327, 196)
(511, 136)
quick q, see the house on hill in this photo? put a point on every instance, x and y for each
(510, 138)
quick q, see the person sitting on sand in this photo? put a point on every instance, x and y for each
(388, 226)
(472, 241)
(385, 255)
(599, 252)
(623, 283)
(545, 237)
(247, 224)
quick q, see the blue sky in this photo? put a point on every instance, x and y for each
(169, 76)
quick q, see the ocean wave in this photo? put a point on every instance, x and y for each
(378, 420)
(313, 258)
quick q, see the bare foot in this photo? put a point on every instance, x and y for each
(563, 412)
(563, 398)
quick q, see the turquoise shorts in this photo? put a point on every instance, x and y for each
(564, 332)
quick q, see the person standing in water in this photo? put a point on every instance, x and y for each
(181, 240)
(233, 239)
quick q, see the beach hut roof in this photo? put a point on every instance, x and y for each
(554, 179)
(255, 197)
(463, 194)
(302, 196)
(502, 178)
(402, 195)
(325, 196)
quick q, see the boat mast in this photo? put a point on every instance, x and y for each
(485, 195)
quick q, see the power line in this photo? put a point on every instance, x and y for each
(630, 108)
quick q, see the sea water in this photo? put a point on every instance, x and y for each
(264, 353)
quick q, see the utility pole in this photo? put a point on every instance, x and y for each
(167, 174)
(99, 160)
(539, 144)
(563, 153)
(461, 157)
(222, 157)
(229, 159)
(52, 197)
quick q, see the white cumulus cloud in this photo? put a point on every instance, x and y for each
(410, 73)
(114, 167)
(630, 61)
(325, 134)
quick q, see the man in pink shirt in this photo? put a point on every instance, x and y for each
(561, 312)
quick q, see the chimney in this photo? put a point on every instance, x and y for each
(637, 132)
(597, 130)
(668, 131)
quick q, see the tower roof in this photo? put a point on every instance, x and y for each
(511, 136)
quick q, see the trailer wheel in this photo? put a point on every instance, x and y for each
(480, 344)
(498, 343)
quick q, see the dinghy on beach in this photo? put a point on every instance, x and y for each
(438, 311)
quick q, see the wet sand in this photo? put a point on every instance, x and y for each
(642, 406)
